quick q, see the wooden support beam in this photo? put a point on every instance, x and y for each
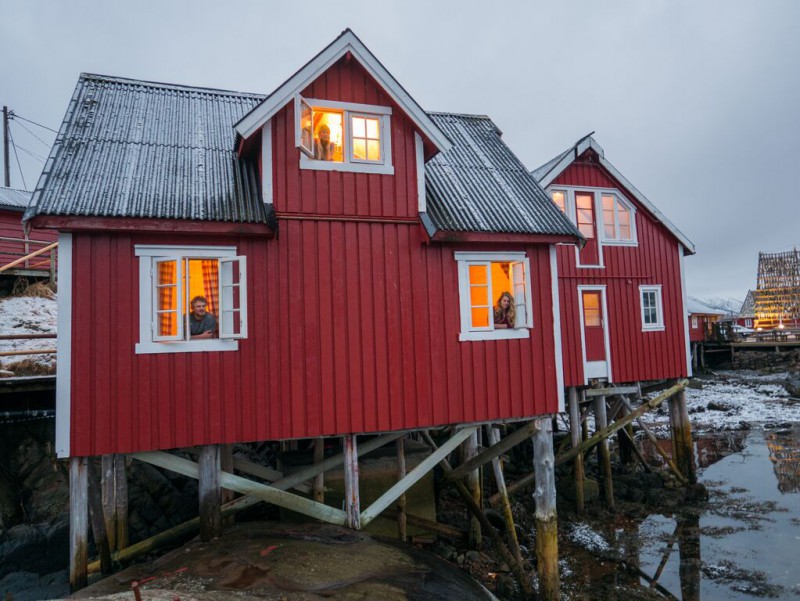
(516, 568)
(121, 501)
(546, 518)
(430, 525)
(352, 497)
(97, 518)
(259, 471)
(209, 492)
(78, 522)
(682, 447)
(603, 452)
(493, 436)
(575, 436)
(402, 520)
(107, 495)
(319, 480)
(614, 390)
(272, 494)
(485, 456)
(414, 476)
(473, 484)
(226, 496)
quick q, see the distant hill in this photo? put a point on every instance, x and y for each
(727, 304)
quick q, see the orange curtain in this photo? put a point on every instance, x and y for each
(167, 299)
(211, 284)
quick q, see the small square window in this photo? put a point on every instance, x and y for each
(695, 323)
(652, 308)
(495, 295)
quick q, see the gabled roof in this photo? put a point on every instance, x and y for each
(130, 148)
(13, 199)
(696, 307)
(480, 186)
(748, 306)
(548, 172)
(346, 42)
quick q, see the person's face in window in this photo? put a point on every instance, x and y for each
(324, 135)
(505, 302)
(199, 308)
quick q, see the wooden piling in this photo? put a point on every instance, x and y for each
(682, 447)
(473, 484)
(97, 518)
(493, 436)
(121, 502)
(575, 435)
(625, 440)
(107, 497)
(402, 532)
(210, 492)
(78, 522)
(546, 517)
(352, 501)
(604, 455)
(318, 487)
(226, 464)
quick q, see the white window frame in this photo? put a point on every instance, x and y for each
(616, 240)
(571, 212)
(659, 325)
(148, 256)
(524, 322)
(748, 323)
(349, 164)
(695, 322)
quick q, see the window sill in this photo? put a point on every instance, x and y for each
(620, 243)
(315, 165)
(509, 334)
(191, 346)
(653, 329)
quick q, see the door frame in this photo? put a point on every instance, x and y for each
(598, 370)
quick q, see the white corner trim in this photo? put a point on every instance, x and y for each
(685, 314)
(64, 346)
(266, 162)
(557, 328)
(347, 42)
(419, 149)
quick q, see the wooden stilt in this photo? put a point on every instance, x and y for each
(226, 464)
(97, 518)
(690, 560)
(402, 532)
(624, 440)
(702, 356)
(78, 522)
(604, 455)
(544, 496)
(682, 447)
(575, 435)
(318, 486)
(473, 484)
(120, 502)
(584, 421)
(493, 435)
(107, 482)
(210, 492)
(352, 502)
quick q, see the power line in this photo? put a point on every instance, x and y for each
(34, 123)
(16, 156)
(32, 154)
(34, 135)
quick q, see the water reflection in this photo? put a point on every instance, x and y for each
(708, 448)
(784, 452)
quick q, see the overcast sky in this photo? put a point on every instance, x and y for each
(696, 102)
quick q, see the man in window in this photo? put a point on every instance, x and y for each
(324, 149)
(202, 324)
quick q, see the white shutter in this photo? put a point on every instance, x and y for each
(167, 280)
(304, 126)
(233, 298)
(522, 293)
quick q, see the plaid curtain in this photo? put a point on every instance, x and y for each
(166, 298)
(211, 284)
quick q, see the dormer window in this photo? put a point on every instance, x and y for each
(343, 136)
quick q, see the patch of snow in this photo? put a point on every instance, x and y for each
(583, 535)
(28, 315)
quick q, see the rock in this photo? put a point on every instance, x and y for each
(714, 406)
(695, 384)
(792, 386)
(591, 490)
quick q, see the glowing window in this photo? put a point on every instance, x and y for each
(560, 198)
(485, 280)
(617, 218)
(585, 212)
(341, 136)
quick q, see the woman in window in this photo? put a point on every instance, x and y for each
(504, 312)
(324, 148)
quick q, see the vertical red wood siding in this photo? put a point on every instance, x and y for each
(635, 355)
(353, 327)
(11, 227)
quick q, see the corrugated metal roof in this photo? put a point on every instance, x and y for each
(748, 306)
(130, 148)
(698, 307)
(11, 198)
(479, 185)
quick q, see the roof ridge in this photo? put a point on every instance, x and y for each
(164, 85)
(16, 189)
(465, 115)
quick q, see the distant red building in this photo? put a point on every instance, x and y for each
(15, 242)
(701, 318)
(622, 296)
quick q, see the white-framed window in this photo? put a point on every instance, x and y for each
(748, 323)
(617, 219)
(616, 214)
(343, 136)
(695, 324)
(652, 307)
(483, 280)
(191, 298)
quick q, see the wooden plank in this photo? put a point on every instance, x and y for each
(594, 392)
(575, 437)
(402, 532)
(107, 495)
(414, 476)
(485, 456)
(473, 481)
(319, 479)
(209, 492)
(352, 500)
(604, 454)
(271, 494)
(493, 435)
(97, 518)
(121, 501)
(78, 523)
(546, 518)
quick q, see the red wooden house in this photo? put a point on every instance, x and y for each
(15, 242)
(701, 318)
(622, 296)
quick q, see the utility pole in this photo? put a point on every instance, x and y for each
(6, 161)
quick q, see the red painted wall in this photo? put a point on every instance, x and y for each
(635, 355)
(353, 327)
(704, 322)
(11, 227)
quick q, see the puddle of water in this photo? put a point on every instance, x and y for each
(742, 545)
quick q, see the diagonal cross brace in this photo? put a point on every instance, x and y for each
(485, 456)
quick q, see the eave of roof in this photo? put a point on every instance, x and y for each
(548, 172)
(13, 199)
(346, 42)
